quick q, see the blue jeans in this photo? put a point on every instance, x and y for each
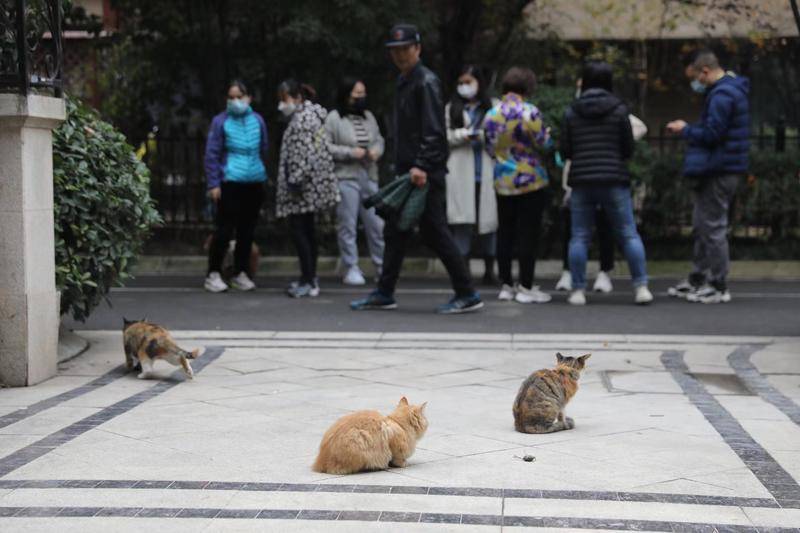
(616, 202)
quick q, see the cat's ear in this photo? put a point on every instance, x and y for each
(559, 357)
(403, 401)
(583, 359)
(422, 407)
(126, 322)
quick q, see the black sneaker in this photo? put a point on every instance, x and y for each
(461, 304)
(375, 300)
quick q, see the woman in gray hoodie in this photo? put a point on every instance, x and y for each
(356, 144)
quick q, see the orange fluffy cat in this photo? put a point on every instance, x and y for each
(367, 440)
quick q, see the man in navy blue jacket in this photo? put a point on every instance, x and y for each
(716, 159)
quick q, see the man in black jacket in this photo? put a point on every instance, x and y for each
(420, 151)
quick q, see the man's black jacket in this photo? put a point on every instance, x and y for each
(419, 127)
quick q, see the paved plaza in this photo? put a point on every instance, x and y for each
(673, 433)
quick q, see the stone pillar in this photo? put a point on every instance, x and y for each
(29, 303)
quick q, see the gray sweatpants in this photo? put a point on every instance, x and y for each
(712, 201)
(353, 192)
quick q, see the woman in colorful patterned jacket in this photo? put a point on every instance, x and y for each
(518, 140)
(234, 162)
(306, 179)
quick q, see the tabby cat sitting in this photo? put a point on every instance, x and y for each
(539, 407)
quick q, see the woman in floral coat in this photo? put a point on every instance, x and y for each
(306, 179)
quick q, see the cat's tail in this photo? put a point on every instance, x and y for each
(183, 353)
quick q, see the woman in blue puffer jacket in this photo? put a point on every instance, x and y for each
(234, 162)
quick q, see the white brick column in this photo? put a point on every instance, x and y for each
(29, 303)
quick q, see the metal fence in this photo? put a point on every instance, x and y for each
(178, 181)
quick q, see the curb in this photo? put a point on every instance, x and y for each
(281, 266)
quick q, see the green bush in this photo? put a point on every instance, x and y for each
(103, 210)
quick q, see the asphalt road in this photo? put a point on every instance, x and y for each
(758, 308)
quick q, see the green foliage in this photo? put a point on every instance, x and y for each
(553, 102)
(103, 210)
(766, 202)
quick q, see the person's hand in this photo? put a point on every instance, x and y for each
(418, 176)
(374, 154)
(676, 126)
(359, 153)
(215, 194)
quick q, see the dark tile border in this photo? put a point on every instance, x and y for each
(482, 492)
(49, 443)
(739, 360)
(769, 472)
(557, 522)
(42, 405)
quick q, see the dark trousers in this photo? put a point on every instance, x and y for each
(237, 211)
(712, 201)
(304, 237)
(605, 239)
(435, 234)
(520, 219)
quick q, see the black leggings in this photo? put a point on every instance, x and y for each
(520, 220)
(237, 211)
(304, 236)
(605, 239)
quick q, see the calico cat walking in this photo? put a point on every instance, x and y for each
(146, 343)
(539, 407)
(367, 440)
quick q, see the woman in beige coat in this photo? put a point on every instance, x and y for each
(471, 200)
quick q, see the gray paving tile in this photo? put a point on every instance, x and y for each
(394, 516)
(409, 490)
(152, 484)
(466, 491)
(188, 485)
(440, 518)
(79, 511)
(317, 514)
(119, 511)
(10, 511)
(238, 513)
(297, 487)
(335, 488)
(116, 484)
(372, 489)
(197, 513)
(39, 511)
(224, 485)
(159, 512)
(362, 516)
(482, 519)
(522, 521)
(278, 514)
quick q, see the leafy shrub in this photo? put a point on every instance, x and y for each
(103, 210)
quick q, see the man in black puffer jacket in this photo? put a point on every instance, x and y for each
(598, 138)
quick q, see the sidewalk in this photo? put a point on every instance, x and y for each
(673, 433)
(416, 266)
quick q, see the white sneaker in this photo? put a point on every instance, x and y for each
(564, 282)
(603, 283)
(531, 296)
(577, 297)
(354, 276)
(214, 283)
(642, 295)
(243, 282)
(314, 292)
(506, 293)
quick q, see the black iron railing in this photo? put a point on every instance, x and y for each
(31, 48)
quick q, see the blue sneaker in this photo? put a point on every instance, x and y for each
(375, 300)
(461, 304)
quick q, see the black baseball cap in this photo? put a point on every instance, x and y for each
(403, 34)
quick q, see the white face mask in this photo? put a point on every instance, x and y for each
(287, 108)
(467, 90)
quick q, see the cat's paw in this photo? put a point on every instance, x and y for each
(397, 463)
(189, 375)
(569, 423)
(143, 375)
